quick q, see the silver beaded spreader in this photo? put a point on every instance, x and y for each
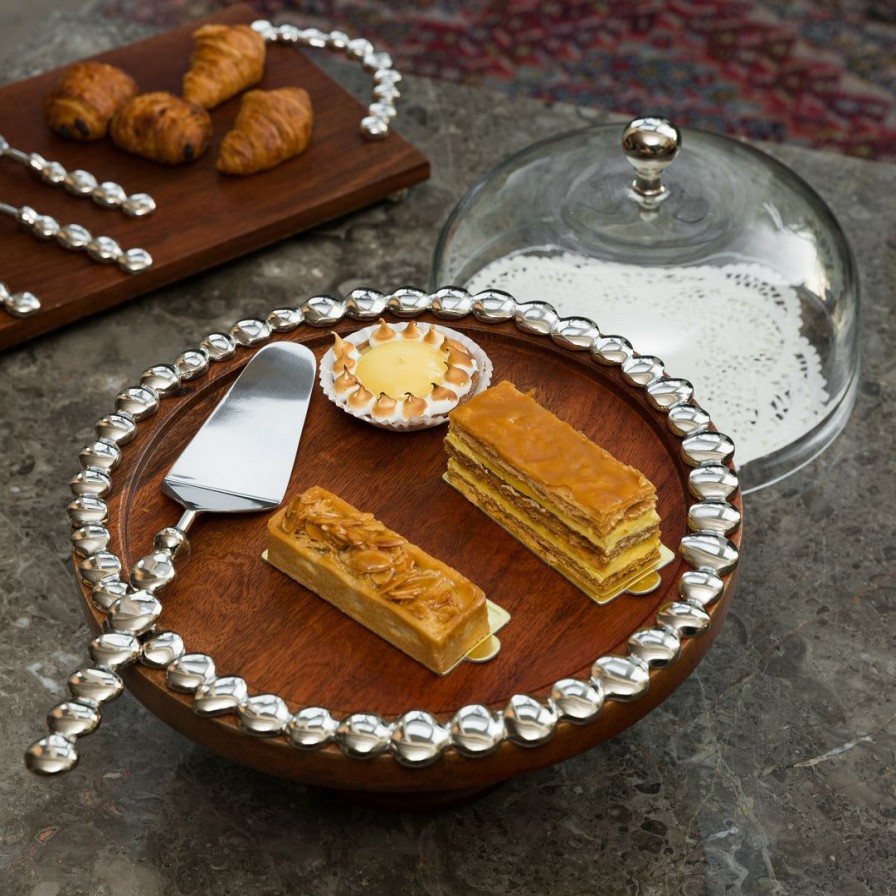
(107, 194)
(417, 737)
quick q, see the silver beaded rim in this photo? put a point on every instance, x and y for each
(417, 737)
(376, 125)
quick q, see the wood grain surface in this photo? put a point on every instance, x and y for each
(203, 218)
(259, 624)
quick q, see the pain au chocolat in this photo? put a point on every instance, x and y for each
(377, 577)
(582, 511)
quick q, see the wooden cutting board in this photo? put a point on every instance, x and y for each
(203, 218)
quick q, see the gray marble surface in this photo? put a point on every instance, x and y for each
(772, 770)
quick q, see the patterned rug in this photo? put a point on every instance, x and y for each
(819, 73)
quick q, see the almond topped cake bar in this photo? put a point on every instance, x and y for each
(578, 508)
(414, 601)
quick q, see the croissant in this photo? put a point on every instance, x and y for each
(226, 60)
(162, 127)
(82, 103)
(271, 127)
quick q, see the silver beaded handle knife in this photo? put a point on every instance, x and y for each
(240, 460)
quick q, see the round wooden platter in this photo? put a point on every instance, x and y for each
(257, 623)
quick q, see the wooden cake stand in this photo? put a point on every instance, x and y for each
(258, 624)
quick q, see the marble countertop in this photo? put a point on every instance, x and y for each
(771, 770)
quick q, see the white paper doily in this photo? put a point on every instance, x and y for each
(735, 332)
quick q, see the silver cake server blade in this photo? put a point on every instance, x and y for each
(240, 460)
(242, 457)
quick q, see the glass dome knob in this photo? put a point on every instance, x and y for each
(650, 145)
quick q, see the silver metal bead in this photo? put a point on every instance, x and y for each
(138, 205)
(52, 755)
(135, 613)
(575, 333)
(218, 346)
(101, 565)
(288, 34)
(191, 363)
(337, 40)
(189, 672)
(153, 571)
(387, 76)
(106, 592)
(706, 447)
(87, 508)
(666, 392)
(492, 306)
(386, 92)
(116, 428)
(53, 173)
(22, 304)
(80, 182)
(375, 61)
(264, 715)
(26, 216)
(162, 650)
(418, 738)
(35, 162)
(265, 29)
(363, 735)
(114, 649)
(172, 541)
(700, 586)
(220, 696)
(476, 730)
(282, 320)
(384, 111)
(314, 37)
(374, 128)
(712, 482)
(45, 227)
(250, 332)
(365, 304)
(162, 379)
(577, 701)
(95, 685)
(135, 260)
(73, 719)
(611, 350)
(323, 311)
(642, 370)
(358, 48)
(311, 727)
(89, 539)
(686, 619)
(73, 236)
(713, 516)
(623, 678)
(100, 455)
(451, 303)
(535, 317)
(528, 721)
(138, 401)
(706, 550)
(408, 302)
(685, 419)
(104, 249)
(109, 194)
(656, 646)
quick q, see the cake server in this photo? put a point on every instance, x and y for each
(240, 460)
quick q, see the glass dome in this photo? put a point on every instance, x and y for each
(715, 257)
